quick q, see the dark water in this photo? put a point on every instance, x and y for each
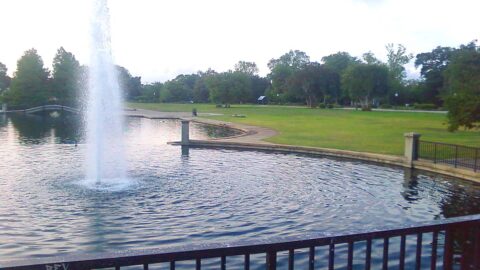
(205, 196)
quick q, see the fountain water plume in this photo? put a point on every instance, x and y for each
(104, 121)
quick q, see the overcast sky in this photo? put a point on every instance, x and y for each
(159, 39)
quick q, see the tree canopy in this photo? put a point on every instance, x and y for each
(30, 84)
(249, 68)
(449, 76)
(462, 83)
(4, 78)
(371, 59)
(339, 61)
(314, 82)
(294, 59)
(397, 59)
(130, 86)
(365, 82)
(66, 81)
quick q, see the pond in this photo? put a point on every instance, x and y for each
(205, 195)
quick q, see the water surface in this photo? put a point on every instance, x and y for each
(203, 195)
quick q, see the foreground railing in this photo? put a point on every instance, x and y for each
(450, 242)
(451, 154)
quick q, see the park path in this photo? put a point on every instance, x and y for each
(393, 110)
(251, 135)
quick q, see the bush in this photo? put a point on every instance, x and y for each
(425, 106)
(386, 106)
(321, 106)
(330, 106)
(366, 108)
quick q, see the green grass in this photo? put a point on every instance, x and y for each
(375, 132)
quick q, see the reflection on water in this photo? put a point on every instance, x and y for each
(3, 120)
(33, 128)
(213, 131)
(184, 196)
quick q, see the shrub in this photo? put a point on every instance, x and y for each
(322, 106)
(386, 106)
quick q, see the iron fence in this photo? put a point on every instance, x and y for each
(442, 244)
(451, 154)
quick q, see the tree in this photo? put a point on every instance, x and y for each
(200, 89)
(433, 64)
(279, 79)
(130, 86)
(314, 82)
(462, 81)
(280, 71)
(339, 61)
(150, 92)
(370, 58)
(365, 82)
(249, 68)
(29, 86)
(229, 87)
(397, 59)
(66, 78)
(294, 59)
(180, 89)
(305, 82)
(259, 87)
(4, 78)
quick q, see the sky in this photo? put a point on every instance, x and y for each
(159, 39)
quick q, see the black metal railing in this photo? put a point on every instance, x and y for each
(441, 244)
(451, 154)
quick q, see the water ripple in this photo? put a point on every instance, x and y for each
(47, 208)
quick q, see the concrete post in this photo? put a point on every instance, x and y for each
(411, 147)
(185, 132)
(4, 107)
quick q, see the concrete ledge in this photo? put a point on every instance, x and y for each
(377, 158)
(353, 155)
(447, 170)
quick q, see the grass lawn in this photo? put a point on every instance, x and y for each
(376, 132)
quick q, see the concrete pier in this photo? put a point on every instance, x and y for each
(411, 148)
(185, 132)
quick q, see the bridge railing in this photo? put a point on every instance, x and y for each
(51, 108)
(442, 243)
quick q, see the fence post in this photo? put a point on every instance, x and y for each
(185, 132)
(476, 160)
(271, 260)
(435, 153)
(411, 147)
(456, 155)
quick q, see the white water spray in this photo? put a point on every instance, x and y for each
(104, 127)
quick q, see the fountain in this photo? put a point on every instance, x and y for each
(104, 123)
